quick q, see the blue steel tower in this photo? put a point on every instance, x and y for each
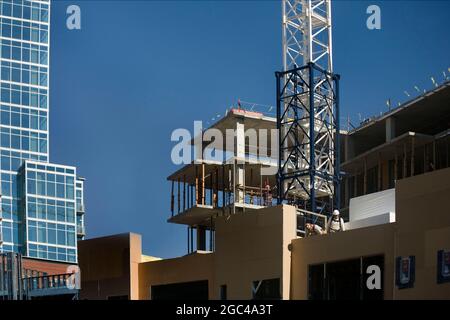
(41, 203)
(308, 109)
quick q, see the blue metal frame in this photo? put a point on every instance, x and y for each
(290, 102)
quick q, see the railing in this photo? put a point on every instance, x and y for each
(255, 196)
(44, 284)
(305, 216)
(221, 199)
(188, 196)
(17, 283)
(267, 110)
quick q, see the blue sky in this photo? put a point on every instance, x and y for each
(137, 70)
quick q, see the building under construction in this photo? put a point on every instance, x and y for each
(410, 140)
(241, 245)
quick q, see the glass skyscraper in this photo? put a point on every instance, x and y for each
(41, 203)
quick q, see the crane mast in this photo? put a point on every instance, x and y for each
(307, 33)
(307, 108)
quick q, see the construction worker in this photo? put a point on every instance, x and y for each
(267, 194)
(313, 229)
(336, 223)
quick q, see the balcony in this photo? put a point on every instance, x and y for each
(80, 209)
(52, 285)
(205, 189)
(81, 230)
(18, 283)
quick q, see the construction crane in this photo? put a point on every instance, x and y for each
(307, 35)
(308, 109)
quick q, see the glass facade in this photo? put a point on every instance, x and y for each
(50, 211)
(39, 200)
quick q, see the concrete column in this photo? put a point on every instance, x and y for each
(390, 129)
(240, 140)
(239, 181)
(240, 154)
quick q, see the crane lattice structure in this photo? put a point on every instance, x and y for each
(308, 109)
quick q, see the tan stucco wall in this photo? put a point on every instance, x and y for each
(135, 259)
(250, 246)
(423, 218)
(107, 264)
(193, 267)
(341, 246)
(289, 234)
(253, 246)
(422, 228)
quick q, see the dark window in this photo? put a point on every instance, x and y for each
(125, 297)
(223, 292)
(316, 282)
(351, 189)
(391, 174)
(372, 180)
(359, 185)
(196, 290)
(442, 153)
(344, 280)
(266, 289)
(400, 173)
